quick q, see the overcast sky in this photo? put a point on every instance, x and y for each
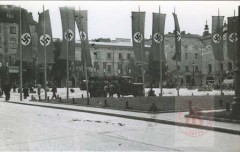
(112, 19)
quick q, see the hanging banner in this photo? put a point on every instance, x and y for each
(217, 38)
(25, 39)
(68, 30)
(158, 36)
(232, 37)
(82, 24)
(178, 38)
(45, 40)
(138, 25)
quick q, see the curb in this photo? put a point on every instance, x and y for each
(217, 129)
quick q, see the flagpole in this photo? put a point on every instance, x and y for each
(176, 61)
(160, 58)
(141, 50)
(45, 57)
(67, 58)
(20, 34)
(85, 57)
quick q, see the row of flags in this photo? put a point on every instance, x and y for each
(158, 26)
(44, 31)
(69, 16)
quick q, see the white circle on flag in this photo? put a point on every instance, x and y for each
(69, 35)
(138, 37)
(83, 35)
(178, 36)
(25, 39)
(233, 37)
(45, 40)
(216, 38)
(157, 37)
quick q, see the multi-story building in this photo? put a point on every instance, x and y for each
(9, 38)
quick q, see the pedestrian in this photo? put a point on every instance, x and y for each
(111, 90)
(39, 90)
(105, 90)
(14, 87)
(7, 89)
(54, 90)
(25, 92)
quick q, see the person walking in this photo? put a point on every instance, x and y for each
(39, 90)
(25, 92)
(6, 90)
(54, 90)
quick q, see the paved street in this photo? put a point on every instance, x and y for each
(37, 128)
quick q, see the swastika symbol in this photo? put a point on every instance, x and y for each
(158, 37)
(216, 38)
(45, 40)
(178, 36)
(83, 35)
(25, 39)
(233, 37)
(138, 37)
(69, 35)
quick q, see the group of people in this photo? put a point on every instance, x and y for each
(28, 88)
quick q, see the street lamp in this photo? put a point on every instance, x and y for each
(193, 81)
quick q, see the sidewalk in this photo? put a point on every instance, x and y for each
(176, 118)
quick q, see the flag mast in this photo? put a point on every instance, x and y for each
(20, 49)
(67, 57)
(160, 59)
(85, 56)
(177, 55)
(45, 57)
(141, 50)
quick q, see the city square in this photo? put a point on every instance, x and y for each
(119, 76)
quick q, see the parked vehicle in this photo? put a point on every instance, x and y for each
(122, 85)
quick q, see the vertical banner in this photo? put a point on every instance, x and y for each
(232, 37)
(25, 38)
(68, 31)
(45, 40)
(217, 38)
(158, 36)
(177, 55)
(138, 24)
(82, 24)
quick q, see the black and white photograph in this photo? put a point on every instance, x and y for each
(120, 76)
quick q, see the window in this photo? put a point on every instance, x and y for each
(120, 68)
(128, 56)
(120, 56)
(13, 30)
(13, 43)
(109, 68)
(186, 68)
(186, 55)
(196, 68)
(196, 56)
(109, 55)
